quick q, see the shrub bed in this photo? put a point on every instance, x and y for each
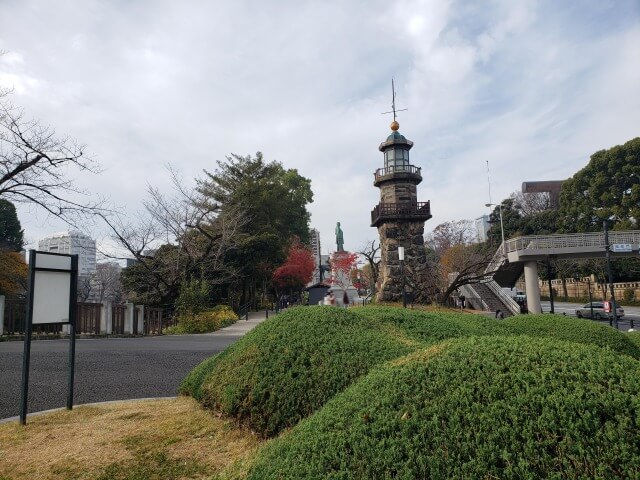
(431, 327)
(571, 329)
(634, 337)
(290, 365)
(480, 407)
(207, 321)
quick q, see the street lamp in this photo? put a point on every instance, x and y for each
(499, 205)
(404, 279)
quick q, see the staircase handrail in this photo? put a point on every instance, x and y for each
(510, 303)
(498, 259)
(470, 293)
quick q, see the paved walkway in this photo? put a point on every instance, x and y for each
(109, 368)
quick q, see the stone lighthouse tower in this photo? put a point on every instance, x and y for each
(400, 219)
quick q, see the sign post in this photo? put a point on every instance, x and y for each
(53, 280)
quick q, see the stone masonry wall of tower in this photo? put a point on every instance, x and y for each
(399, 218)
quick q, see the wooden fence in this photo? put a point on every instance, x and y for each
(120, 319)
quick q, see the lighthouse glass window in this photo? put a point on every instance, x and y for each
(397, 160)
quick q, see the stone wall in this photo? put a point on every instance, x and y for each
(398, 192)
(409, 235)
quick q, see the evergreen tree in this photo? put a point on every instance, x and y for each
(609, 186)
(274, 200)
(11, 233)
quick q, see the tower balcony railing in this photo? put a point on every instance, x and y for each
(400, 211)
(396, 170)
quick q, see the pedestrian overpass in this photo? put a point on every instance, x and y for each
(523, 253)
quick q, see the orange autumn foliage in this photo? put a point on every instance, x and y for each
(13, 273)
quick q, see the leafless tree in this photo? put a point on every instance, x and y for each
(371, 252)
(448, 234)
(531, 203)
(35, 163)
(104, 284)
(459, 261)
(197, 231)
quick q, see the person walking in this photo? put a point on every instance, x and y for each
(332, 298)
(345, 300)
(327, 299)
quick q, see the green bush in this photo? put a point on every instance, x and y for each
(208, 321)
(432, 327)
(290, 365)
(571, 329)
(628, 294)
(480, 407)
(193, 297)
(634, 337)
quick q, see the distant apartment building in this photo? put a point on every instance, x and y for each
(482, 228)
(314, 236)
(72, 243)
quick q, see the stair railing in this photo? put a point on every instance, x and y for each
(509, 302)
(472, 295)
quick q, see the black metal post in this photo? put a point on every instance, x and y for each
(404, 284)
(26, 356)
(608, 254)
(590, 300)
(73, 316)
(552, 310)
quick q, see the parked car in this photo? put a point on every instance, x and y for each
(598, 311)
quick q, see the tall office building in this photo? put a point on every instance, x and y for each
(314, 236)
(71, 243)
(482, 228)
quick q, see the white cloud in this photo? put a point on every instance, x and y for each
(533, 87)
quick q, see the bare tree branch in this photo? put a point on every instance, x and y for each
(179, 237)
(34, 167)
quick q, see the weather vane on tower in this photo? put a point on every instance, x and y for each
(393, 103)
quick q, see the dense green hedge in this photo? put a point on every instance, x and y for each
(431, 327)
(571, 329)
(480, 407)
(291, 364)
(635, 338)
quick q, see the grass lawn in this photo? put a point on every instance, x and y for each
(155, 439)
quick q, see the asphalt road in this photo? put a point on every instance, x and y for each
(630, 313)
(106, 369)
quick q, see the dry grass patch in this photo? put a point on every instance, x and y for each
(161, 439)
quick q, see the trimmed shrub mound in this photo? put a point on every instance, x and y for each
(571, 329)
(635, 338)
(432, 327)
(480, 407)
(290, 365)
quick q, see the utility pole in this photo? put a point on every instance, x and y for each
(608, 255)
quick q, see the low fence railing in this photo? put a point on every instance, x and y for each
(572, 240)
(412, 210)
(391, 170)
(92, 319)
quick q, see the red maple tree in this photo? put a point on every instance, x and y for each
(297, 270)
(342, 264)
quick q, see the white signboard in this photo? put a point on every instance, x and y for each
(51, 288)
(621, 247)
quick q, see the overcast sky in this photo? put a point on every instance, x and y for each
(533, 87)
